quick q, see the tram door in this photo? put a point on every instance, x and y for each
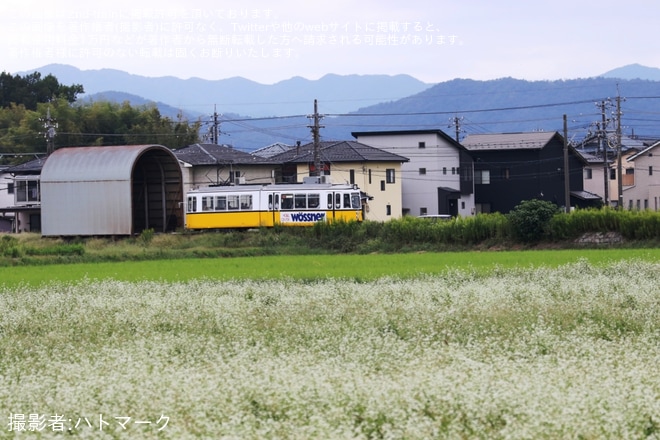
(334, 204)
(273, 208)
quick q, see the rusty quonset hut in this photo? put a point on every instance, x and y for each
(119, 190)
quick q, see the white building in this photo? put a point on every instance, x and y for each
(438, 179)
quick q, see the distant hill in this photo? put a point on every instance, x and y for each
(351, 103)
(241, 96)
(634, 71)
(502, 105)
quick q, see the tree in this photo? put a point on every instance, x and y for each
(31, 90)
(530, 219)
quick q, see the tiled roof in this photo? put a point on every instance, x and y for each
(32, 166)
(212, 154)
(338, 151)
(508, 141)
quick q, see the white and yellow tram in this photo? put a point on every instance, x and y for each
(253, 206)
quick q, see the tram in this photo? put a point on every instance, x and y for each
(257, 206)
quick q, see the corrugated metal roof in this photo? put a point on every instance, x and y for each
(272, 150)
(82, 164)
(508, 141)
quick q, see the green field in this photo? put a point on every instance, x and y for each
(310, 267)
(493, 345)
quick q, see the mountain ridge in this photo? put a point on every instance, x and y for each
(498, 105)
(240, 95)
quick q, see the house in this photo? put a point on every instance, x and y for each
(212, 164)
(512, 167)
(437, 179)
(22, 204)
(600, 172)
(596, 176)
(641, 183)
(6, 199)
(376, 172)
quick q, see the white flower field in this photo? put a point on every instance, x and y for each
(544, 353)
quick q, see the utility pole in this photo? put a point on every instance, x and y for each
(50, 125)
(567, 177)
(316, 128)
(602, 140)
(456, 123)
(215, 130)
(619, 167)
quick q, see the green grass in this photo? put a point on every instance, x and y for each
(313, 267)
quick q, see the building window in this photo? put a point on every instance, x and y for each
(482, 177)
(26, 191)
(422, 145)
(612, 173)
(389, 175)
(587, 173)
(10, 188)
(453, 170)
(388, 209)
(650, 170)
(369, 176)
(351, 176)
(422, 171)
(506, 174)
(630, 204)
(423, 211)
(382, 185)
(444, 170)
(646, 203)
(462, 205)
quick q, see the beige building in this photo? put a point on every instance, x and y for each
(376, 172)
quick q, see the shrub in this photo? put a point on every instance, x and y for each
(530, 219)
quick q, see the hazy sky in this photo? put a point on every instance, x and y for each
(267, 41)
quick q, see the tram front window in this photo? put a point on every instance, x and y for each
(355, 201)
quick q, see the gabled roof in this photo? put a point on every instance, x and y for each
(590, 158)
(212, 154)
(509, 141)
(338, 151)
(31, 167)
(271, 150)
(644, 151)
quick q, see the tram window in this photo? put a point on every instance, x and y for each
(192, 205)
(287, 201)
(221, 203)
(313, 201)
(246, 202)
(355, 201)
(347, 200)
(232, 203)
(301, 201)
(338, 201)
(270, 201)
(329, 201)
(207, 203)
